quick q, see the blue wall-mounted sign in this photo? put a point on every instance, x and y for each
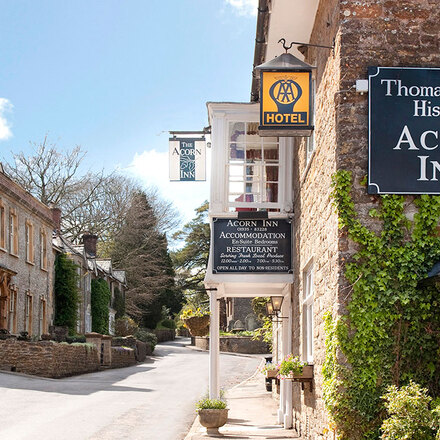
(187, 158)
(404, 126)
(252, 245)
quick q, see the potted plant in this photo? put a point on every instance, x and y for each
(196, 321)
(213, 413)
(292, 368)
(270, 370)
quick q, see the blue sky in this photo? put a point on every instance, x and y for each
(114, 76)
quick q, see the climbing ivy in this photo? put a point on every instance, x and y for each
(66, 291)
(391, 331)
(100, 302)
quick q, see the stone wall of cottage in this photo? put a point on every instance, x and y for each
(31, 278)
(366, 33)
(47, 358)
(316, 223)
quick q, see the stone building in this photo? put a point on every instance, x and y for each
(355, 36)
(26, 261)
(91, 267)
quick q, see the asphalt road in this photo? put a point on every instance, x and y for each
(149, 401)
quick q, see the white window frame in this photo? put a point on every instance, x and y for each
(220, 115)
(307, 311)
(260, 179)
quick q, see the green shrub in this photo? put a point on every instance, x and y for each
(410, 416)
(167, 323)
(210, 404)
(76, 339)
(147, 337)
(67, 296)
(125, 326)
(101, 297)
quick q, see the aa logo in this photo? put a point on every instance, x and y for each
(285, 99)
(285, 93)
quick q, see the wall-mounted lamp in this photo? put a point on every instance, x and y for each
(273, 306)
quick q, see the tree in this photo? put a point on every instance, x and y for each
(66, 292)
(141, 249)
(191, 260)
(91, 202)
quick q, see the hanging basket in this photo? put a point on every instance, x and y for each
(197, 325)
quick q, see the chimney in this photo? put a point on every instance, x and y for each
(89, 241)
(56, 217)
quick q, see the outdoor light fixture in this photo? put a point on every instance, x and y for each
(277, 302)
(273, 306)
(269, 308)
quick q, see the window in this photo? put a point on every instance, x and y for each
(43, 249)
(42, 321)
(28, 313)
(308, 314)
(253, 167)
(29, 231)
(12, 324)
(13, 232)
(2, 226)
(310, 147)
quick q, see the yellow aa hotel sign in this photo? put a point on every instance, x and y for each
(286, 102)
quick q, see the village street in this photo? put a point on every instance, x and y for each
(149, 401)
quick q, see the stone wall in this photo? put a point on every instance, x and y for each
(122, 357)
(164, 335)
(366, 33)
(47, 358)
(139, 347)
(235, 344)
(316, 223)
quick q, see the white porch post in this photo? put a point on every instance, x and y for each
(280, 355)
(287, 337)
(214, 346)
(285, 409)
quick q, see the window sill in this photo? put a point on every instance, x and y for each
(30, 262)
(3, 249)
(44, 269)
(13, 255)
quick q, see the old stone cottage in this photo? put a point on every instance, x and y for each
(26, 260)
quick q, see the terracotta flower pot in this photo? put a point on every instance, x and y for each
(212, 419)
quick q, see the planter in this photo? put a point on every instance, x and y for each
(306, 375)
(271, 374)
(212, 419)
(197, 325)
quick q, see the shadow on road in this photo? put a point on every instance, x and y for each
(85, 384)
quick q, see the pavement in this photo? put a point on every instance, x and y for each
(252, 415)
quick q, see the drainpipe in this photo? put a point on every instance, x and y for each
(260, 45)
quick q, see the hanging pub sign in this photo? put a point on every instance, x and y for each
(187, 159)
(252, 245)
(404, 116)
(285, 97)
